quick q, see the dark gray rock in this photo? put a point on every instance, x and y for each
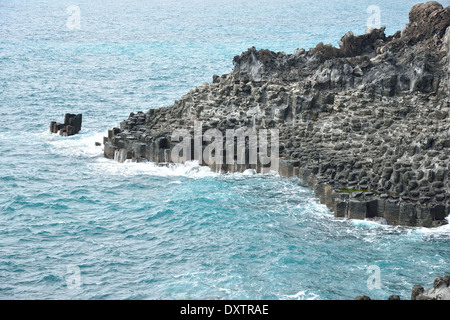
(407, 214)
(392, 212)
(368, 118)
(440, 290)
(340, 208)
(357, 209)
(71, 126)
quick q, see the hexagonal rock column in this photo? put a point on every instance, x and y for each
(357, 209)
(71, 126)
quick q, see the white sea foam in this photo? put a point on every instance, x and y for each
(369, 223)
(190, 169)
(313, 207)
(442, 230)
(249, 172)
(80, 145)
(83, 145)
(301, 295)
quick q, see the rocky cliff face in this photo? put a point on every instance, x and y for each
(366, 124)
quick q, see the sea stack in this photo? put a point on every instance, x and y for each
(70, 127)
(366, 125)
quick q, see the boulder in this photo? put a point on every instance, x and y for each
(440, 290)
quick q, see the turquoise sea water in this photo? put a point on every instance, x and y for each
(137, 231)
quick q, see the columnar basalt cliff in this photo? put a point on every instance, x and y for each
(366, 125)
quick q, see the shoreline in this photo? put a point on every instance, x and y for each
(365, 125)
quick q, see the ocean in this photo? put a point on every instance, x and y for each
(74, 225)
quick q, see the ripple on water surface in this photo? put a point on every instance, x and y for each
(140, 231)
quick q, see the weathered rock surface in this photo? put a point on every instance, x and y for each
(71, 126)
(440, 291)
(366, 124)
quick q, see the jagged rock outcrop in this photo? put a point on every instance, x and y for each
(71, 126)
(366, 125)
(440, 291)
